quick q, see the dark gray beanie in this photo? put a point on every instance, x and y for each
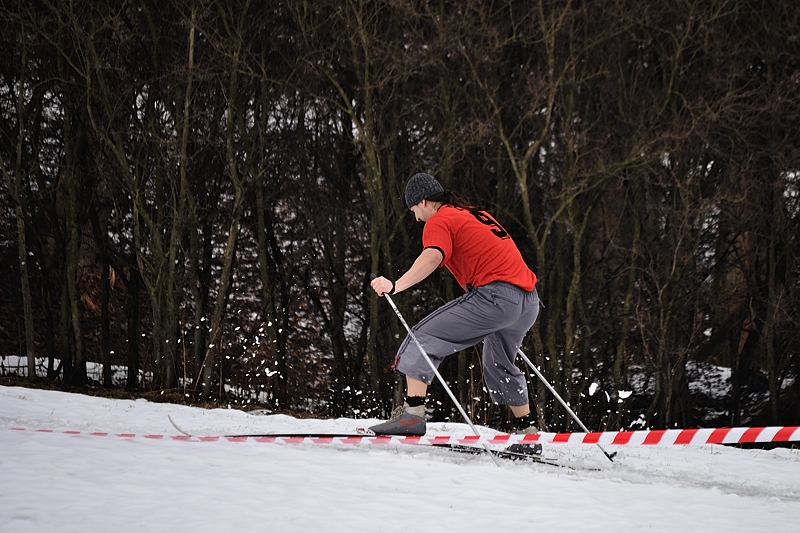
(421, 187)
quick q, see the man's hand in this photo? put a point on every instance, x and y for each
(381, 285)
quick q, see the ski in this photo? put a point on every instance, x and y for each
(531, 452)
(515, 452)
(519, 452)
(180, 429)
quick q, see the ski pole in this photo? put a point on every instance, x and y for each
(561, 400)
(438, 376)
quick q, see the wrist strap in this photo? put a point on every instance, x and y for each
(391, 291)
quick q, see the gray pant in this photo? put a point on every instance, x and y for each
(499, 314)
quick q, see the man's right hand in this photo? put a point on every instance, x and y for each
(381, 285)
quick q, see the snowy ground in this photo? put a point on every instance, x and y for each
(65, 482)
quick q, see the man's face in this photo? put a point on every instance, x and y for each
(423, 211)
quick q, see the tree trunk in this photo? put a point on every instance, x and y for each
(269, 270)
(105, 294)
(105, 340)
(621, 348)
(132, 305)
(25, 288)
(233, 230)
(15, 182)
(63, 332)
(223, 289)
(71, 210)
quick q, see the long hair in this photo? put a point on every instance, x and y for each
(448, 197)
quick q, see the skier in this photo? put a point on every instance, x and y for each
(499, 306)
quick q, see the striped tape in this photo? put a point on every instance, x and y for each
(668, 437)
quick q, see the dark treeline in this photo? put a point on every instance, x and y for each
(198, 191)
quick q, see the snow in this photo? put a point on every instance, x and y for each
(710, 380)
(55, 481)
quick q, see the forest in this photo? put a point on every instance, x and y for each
(197, 192)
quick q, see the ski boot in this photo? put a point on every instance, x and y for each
(405, 421)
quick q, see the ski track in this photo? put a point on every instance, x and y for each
(686, 488)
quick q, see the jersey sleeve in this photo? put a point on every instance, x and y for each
(437, 234)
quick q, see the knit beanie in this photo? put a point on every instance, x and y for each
(421, 187)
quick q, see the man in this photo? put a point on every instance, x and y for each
(499, 306)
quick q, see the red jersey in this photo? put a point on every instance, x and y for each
(476, 249)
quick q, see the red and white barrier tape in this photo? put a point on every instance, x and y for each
(668, 437)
